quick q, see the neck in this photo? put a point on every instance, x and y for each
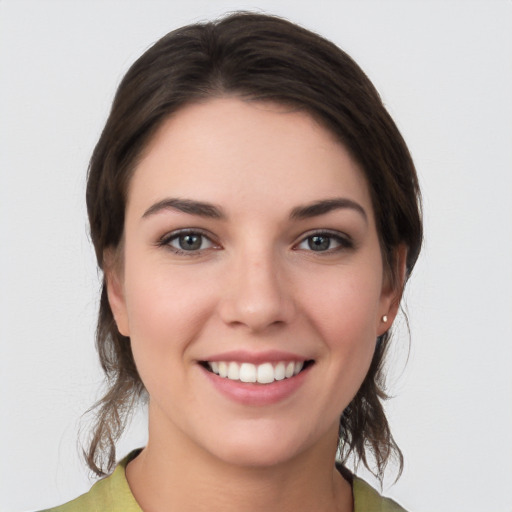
(172, 473)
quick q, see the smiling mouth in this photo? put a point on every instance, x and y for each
(265, 373)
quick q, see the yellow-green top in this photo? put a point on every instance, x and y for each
(113, 494)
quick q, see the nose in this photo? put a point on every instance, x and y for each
(257, 294)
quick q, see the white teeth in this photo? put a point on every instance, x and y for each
(279, 371)
(233, 371)
(247, 372)
(223, 369)
(265, 373)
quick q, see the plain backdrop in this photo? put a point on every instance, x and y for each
(444, 69)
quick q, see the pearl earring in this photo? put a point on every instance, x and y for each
(384, 318)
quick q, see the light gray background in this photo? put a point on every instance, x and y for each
(444, 69)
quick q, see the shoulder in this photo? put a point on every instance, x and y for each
(111, 494)
(367, 499)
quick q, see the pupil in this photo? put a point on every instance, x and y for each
(190, 242)
(319, 243)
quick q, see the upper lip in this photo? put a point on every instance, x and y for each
(243, 356)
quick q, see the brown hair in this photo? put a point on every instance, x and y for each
(254, 57)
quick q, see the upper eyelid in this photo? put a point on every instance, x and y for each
(326, 232)
(170, 235)
(345, 241)
(340, 235)
(166, 242)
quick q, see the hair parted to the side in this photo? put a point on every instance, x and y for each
(257, 58)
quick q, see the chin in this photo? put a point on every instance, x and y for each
(256, 457)
(261, 447)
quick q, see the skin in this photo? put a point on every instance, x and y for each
(255, 285)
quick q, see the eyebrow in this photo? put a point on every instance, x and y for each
(211, 211)
(186, 206)
(325, 206)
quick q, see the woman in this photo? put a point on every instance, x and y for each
(256, 215)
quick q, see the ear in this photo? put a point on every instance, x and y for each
(115, 290)
(392, 290)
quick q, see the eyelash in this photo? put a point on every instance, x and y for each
(343, 242)
(166, 240)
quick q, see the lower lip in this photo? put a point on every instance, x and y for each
(257, 394)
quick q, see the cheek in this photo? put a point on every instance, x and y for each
(166, 310)
(346, 304)
(345, 313)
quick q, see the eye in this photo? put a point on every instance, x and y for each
(187, 241)
(325, 242)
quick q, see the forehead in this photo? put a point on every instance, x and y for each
(237, 152)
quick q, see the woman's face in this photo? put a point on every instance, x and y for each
(250, 252)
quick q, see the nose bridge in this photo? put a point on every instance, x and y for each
(257, 295)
